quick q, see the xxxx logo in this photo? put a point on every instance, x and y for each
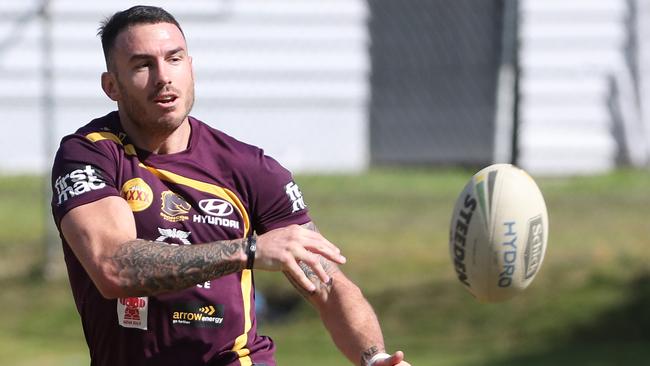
(137, 194)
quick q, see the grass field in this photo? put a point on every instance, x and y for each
(590, 304)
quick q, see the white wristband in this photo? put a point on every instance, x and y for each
(378, 357)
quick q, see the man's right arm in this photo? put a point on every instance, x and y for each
(103, 236)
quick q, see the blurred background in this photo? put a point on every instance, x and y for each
(383, 109)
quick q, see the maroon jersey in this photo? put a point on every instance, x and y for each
(217, 189)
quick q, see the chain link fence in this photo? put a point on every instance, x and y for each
(434, 81)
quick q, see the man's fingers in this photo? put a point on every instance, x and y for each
(314, 265)
(300, 277)
(334, 256)
(315, 242)
(282, 249)
(396, 359)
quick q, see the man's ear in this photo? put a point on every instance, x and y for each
(109, 85)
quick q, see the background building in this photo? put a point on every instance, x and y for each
(337, 86)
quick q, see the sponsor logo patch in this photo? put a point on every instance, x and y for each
(509, 258)
(137, 194)
(174, 234)
(198, 315)
(534, 246)
(295, 196)
(459, 237)
(216, 207)
(217, 211)
(132, 312)
(174, 208)
(80, 179)
(213, 220)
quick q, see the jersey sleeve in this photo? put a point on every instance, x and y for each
(277, 199)
(81, 173)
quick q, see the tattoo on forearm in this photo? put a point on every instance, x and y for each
(310, 226)
(313, 277)
(152, 267)
(329, 267)
(321, 287)
(306, 294)
(367, 355)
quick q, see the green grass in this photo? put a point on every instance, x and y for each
(21, 223)
(589, 305)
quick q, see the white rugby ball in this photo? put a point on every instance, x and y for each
(498, 233)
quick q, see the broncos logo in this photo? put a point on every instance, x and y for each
(174, 208)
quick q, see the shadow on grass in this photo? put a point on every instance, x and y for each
(617, 336)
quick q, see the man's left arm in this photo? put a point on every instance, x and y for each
(348, 316)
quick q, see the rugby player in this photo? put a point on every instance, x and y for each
(163, 219)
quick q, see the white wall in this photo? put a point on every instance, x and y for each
(643, 61)
(287, 75)
(569, 52)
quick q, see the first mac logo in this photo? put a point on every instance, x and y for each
(79, 181)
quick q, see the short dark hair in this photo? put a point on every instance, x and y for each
(111, 27)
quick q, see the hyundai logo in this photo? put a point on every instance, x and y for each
(216, 207)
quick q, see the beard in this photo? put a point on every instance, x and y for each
(141, 113)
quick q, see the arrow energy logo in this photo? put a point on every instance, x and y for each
(207, 316)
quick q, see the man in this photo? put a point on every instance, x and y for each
(163, 218)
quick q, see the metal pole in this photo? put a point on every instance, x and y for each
(639, 10)
(51, 267)
(505, 135)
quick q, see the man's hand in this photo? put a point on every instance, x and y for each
(282, 249)
(396, 359)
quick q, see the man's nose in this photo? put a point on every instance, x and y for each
(162, 74)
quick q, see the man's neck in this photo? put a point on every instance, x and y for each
(159, 141)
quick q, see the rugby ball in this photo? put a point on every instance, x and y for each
(498, 233)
